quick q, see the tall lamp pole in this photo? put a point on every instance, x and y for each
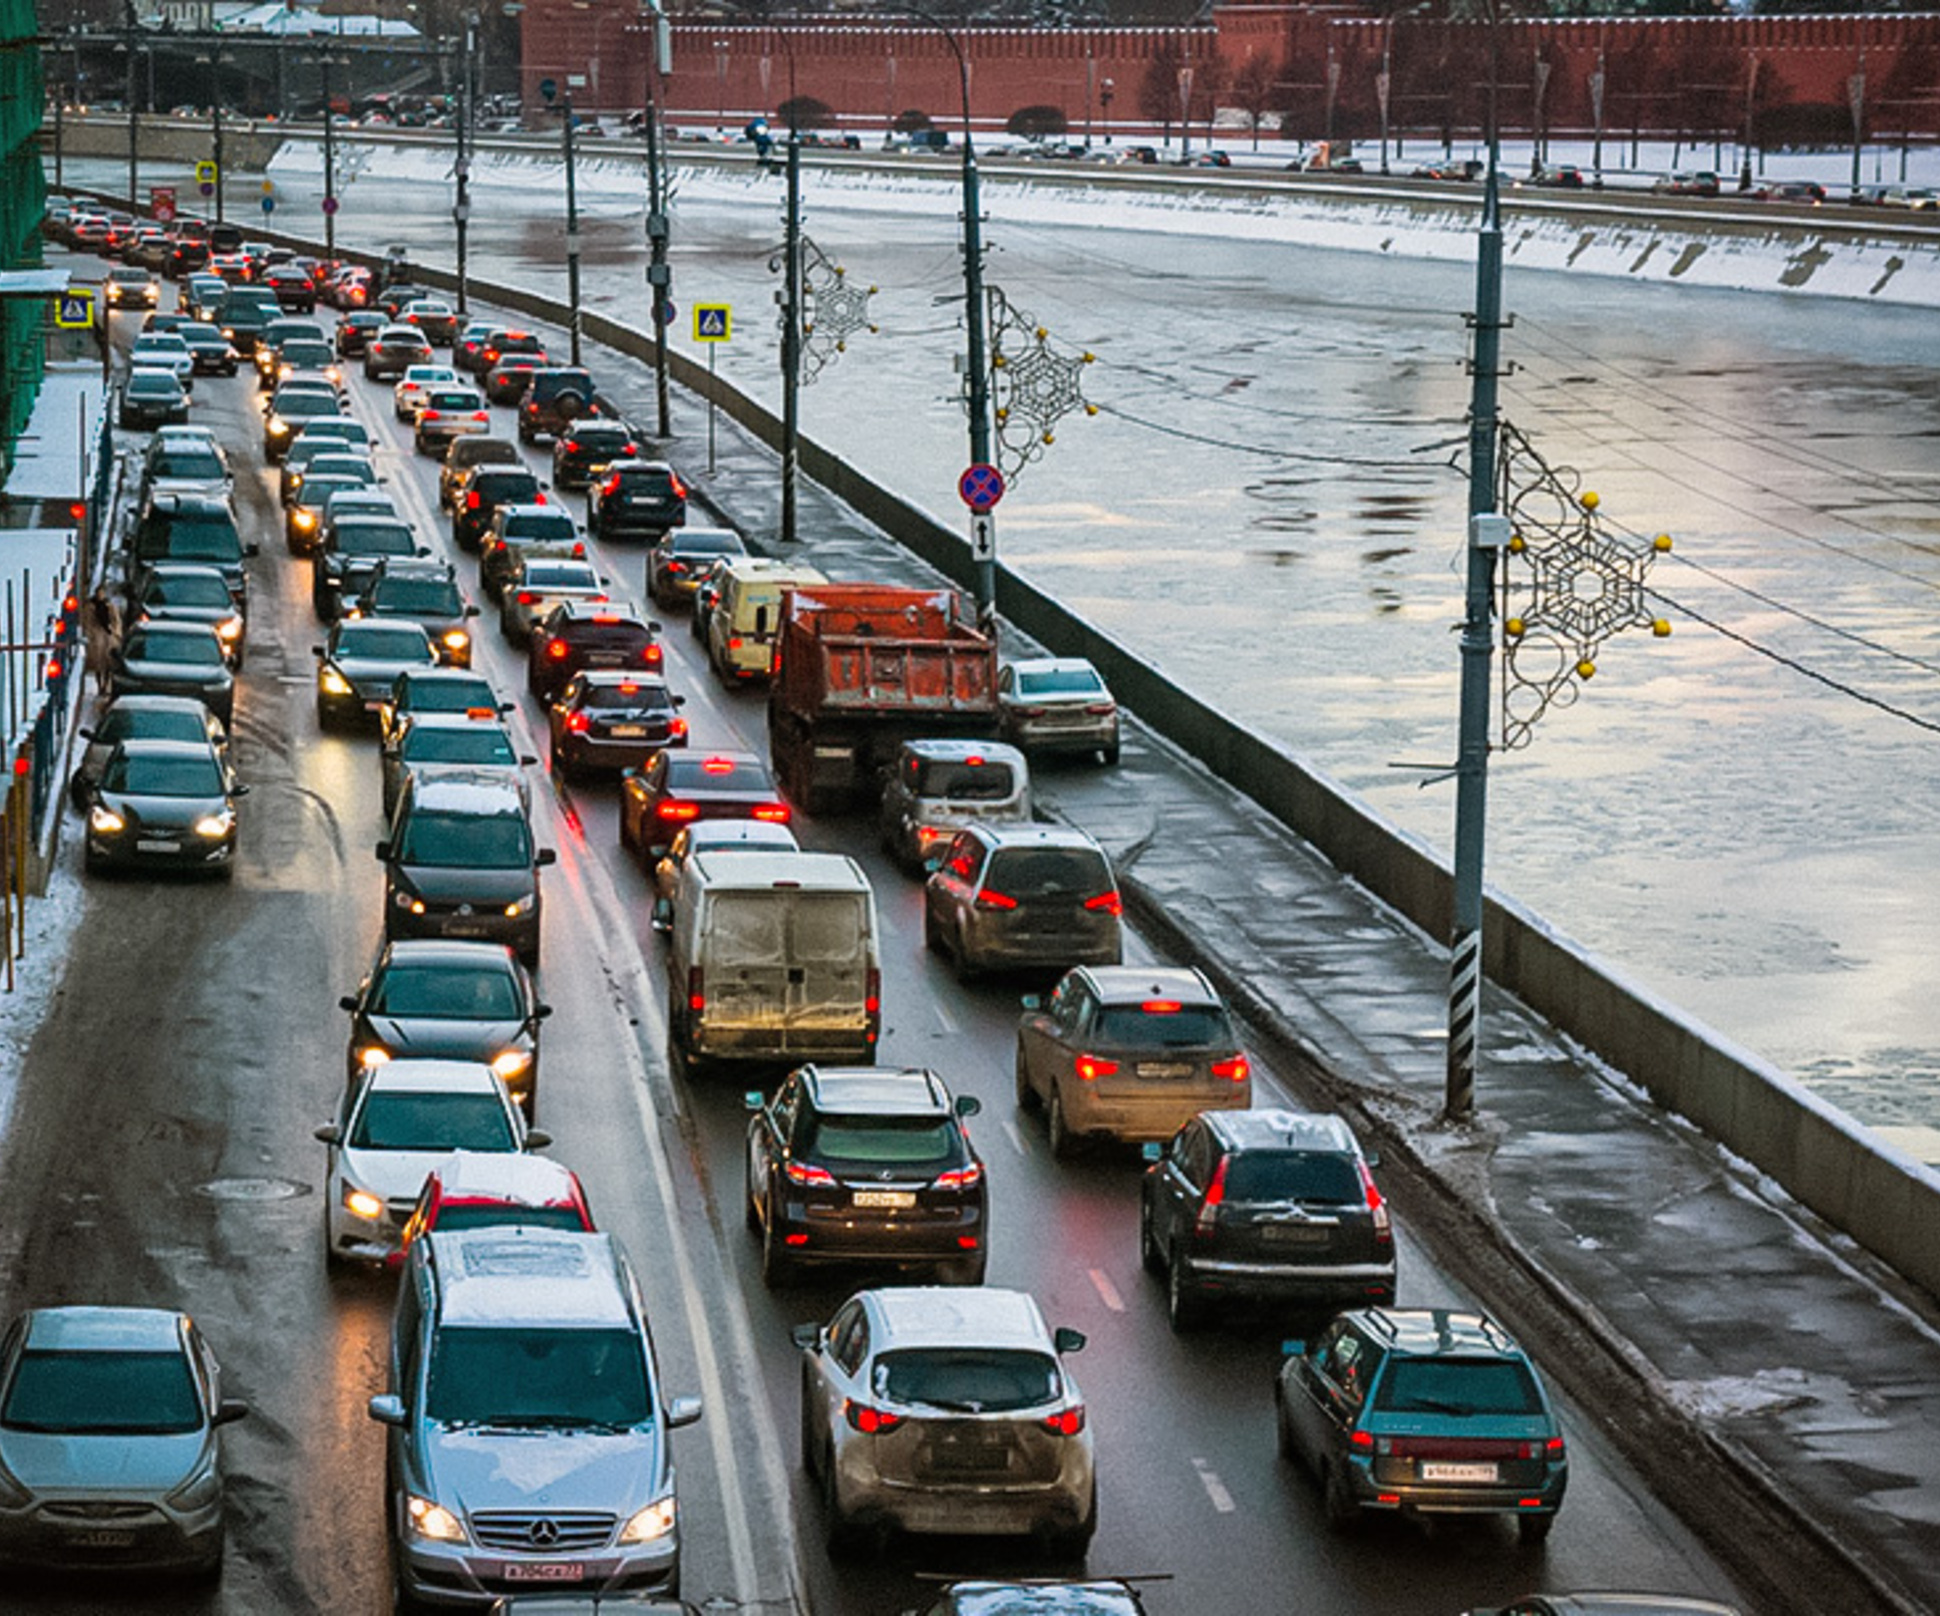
(1487, 534)
(572, 226)
(461, 168)
(134, 127)
(660, 275)
(329, 167)
(791, 332)
(215, 118)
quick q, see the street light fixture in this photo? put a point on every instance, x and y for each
(1106, 91)
(720, 86)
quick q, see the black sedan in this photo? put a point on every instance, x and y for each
(359, 663)
(355, 330)
(448, 1000)
(607, 718)
(164, 805)
(353, 547)
(677, 788)
(588, 449)
(188, 592)
(175, 659)
(438, 690)
(292, 408)
(393, 351)
(425, 593)
(142, 718)
(152, 398)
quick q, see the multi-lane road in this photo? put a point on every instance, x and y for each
(161, 1153)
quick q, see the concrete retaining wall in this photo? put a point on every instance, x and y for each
(1881, 1197)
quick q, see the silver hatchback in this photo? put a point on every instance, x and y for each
(108, 1451)
(946, 1409)
(1022, 897)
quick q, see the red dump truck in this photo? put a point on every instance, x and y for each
(861, 668)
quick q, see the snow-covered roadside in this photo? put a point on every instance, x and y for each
(51, 920)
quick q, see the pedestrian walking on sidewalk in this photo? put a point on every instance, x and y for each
(103, 631)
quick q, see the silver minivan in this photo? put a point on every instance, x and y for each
(936, 787)
(773, 957)
(527, 1426)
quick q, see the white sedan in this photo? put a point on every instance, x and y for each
(393, 1127)
(407, 396)
(164, 350)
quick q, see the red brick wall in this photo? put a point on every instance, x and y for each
(1687, 76)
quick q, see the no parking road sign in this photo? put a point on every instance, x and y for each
(713, 322)
(981, 487)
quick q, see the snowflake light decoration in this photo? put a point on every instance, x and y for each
(1034, 385)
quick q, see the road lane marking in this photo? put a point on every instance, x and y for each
(1222, 1500)
(945, 1019)
(1107, 1291)
(1018, 1142)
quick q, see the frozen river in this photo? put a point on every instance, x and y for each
(1744, 822)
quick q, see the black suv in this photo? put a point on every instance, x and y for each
(426, 593)
(188, 527)
(355, 330)
(636, 499)
(351, 552)
(1266, 1206)
(866, 1164)
(580, 634)
(487, 487)
(554, 398)
(588, 449)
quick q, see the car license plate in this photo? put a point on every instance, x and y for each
(101, 1538)
(1433, 1471)
(151, 845)
(544, 1571)
(1293, 1234)
(628, 732)
(466, 928)
(605, 659)
(895, 1198)
(1164, 1069)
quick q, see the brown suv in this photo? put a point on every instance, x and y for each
(554, 398)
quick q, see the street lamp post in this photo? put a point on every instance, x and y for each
(215, 118)
(1091, 90)
(572, 225)
(461, 168)
(720, 86)
(329, 166)
(1106, 91)
(660, 278)
(134, 127)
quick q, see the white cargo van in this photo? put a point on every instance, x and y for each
(741, 628)
(773, 957)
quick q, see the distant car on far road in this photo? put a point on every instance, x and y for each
(1687, 182)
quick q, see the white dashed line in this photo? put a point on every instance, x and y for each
(1107, 1291)
(945, 1020)
(1215, 1488)
(1018, 1141)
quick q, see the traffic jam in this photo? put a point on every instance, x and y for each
(528, 1428)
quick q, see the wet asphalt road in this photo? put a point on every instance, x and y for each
(161, 1154)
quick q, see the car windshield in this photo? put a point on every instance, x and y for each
(883, 1141)
(166, 777)
(1163, 1023)
(188, 589)
(499, 1215)
(471, 743)
(714, 774)
(1309, 1176)
(1043, 872)
(350, 469)
(445, 993)
(435, 597)
(153, 384)
(1457, 1386)
(394, 1119)
(148, 724)
(967, 782)
(305, 404)
(190, 538)
(450, 696)
(312, 355)
(201, 465)
(1059, 682)
(103, 1394)
(538, 1377)
(704, 545)
(381, 642)
(337, 430)
(646, 482)
(531, 526)
(590, 439)
(972, 1380)
(375, 539)
(456, 841)
(453, 401)
(626, 698)
(559, 575)
(183, 650)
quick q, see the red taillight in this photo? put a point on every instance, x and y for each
(605, 617)
(872, 993)
(1235, 1069)
(1100, 709)
(471, 500)
(805, 1173)
(869, 1421)
(959, 1178)
(1068, 1423)
(481, 415)
(678, 810)
(1160, 1007)
(679, 487)
(540, 499)
(610, 487)
(717, 765)
(1109, 902)
(1361, 1439)
(1376, 1206)
(696, 991)
(526, 597)
(1092, 1067)
(650, 655)
(734, 642)
(675, 564)
(772, 813)
(429, 415)
(989, 899)
(677, 726)
(1215, 1197)
(578, 723)
(557, 649)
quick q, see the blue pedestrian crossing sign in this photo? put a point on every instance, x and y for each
(74, 310)
(713, 322)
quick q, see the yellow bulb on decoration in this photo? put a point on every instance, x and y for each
(1661, 629)
(1049, 438)
(1661, 544)
(1590, 502)
(1515, 628)
(1585, 669)
(1517, 544)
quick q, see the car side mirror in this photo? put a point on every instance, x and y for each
(239, 789)
(543, 857)
(230, 1410)
(968, 1105)
(387, 1409)
(1032, 1001)
(470, 609)
(504, 706)
(807, 1336)
(383, 850)
(526, 762)
(682, 1411)
(653, 625)
(679, 701)
(1065, 1339)
(329, 1134)
(541, 1012)
(1151, 1152)
(252, 548)
(317, 652)
(537, 1139)
(422, 550)
(87, 734)
(348, 1002)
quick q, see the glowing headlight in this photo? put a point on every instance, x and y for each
(652, 1523)
(200, 1491)
(304, 518)
(362, 1204)
(509, 1063)
(433, 1521)
(276, 426)
(458, 639)
(105, 820)
(373, 1055)
(230, 628)
(524, 906)
(213, 825)
(334, 683)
